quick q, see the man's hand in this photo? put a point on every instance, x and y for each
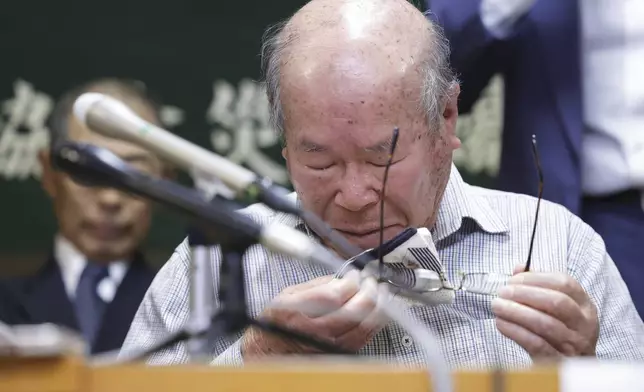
(342, 312)
(548, 314)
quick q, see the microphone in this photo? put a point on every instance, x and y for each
(99, 167)
(95, 166)
(112, 118)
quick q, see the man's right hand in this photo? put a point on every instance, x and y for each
(343, 312)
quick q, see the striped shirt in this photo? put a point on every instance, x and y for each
(477, 230)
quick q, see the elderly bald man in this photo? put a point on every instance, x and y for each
(341, 74)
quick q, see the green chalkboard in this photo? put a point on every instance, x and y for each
(201, 57)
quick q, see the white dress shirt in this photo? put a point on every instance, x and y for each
(477, 230)
(72, 263)
(612, 54)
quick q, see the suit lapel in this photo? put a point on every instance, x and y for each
(120, 312)
(45, 299)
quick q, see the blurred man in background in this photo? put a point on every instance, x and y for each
(95, 277)
(573, 77)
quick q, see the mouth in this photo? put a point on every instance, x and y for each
(106, 231)
(361, 233)
(369, 238)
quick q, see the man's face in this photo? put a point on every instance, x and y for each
(337, 132)
(104, 224)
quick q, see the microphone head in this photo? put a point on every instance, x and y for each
(83, 104)
(90, 165)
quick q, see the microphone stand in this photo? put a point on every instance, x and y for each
(201, 293)
(232, 315)
(235, 233)
(93, 166)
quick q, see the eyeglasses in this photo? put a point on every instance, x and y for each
(478, 282)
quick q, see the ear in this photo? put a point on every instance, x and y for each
(450, 116)
(48, 178)
(284, 153)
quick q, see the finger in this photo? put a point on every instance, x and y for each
(553, 281)
(362, 333)
(519, 268)
(353, 312)
(321, 299)
(378, 317)
(532, 343)
(353, 275)
(309, 284)
(554, 303)
(553, 331)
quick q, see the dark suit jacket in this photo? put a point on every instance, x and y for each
(540, 63)
(42, 298)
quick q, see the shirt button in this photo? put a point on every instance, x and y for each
(407, 341)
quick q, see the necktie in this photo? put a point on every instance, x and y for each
(89, 306)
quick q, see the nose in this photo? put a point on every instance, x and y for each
(110, 199)
(357, 191)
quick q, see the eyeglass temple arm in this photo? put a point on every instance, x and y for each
(535, 153)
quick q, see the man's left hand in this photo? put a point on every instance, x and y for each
(548, 314)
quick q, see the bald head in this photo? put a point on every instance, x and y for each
(341, 74)
(376, 21)
(359, 50)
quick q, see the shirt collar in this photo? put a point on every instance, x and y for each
(72, 263)
(461, 202)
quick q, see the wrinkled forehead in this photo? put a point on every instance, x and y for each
(357, 84)
(355, 63)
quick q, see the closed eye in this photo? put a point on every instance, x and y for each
(385, 164)
(319, 167)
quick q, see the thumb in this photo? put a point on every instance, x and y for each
(519, 268)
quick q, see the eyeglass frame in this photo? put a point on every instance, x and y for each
(440, 274)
